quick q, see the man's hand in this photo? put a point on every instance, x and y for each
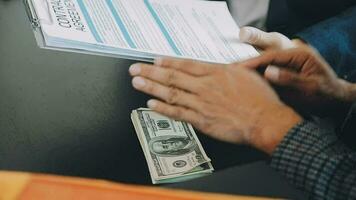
(309, 81)
(308, 96)
(227, 102)
(267, 41)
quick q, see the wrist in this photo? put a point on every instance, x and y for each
(273, 127)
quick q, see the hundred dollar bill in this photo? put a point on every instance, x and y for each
(172, 149)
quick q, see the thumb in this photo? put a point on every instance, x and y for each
(263, 39)
(284, 77)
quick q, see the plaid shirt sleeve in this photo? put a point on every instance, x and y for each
(314, 160)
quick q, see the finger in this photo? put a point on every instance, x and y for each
(284, 77)
(170, 95)
(165, 76)
(175, 112)
(293, 59)
(263, 39)
(192, 67)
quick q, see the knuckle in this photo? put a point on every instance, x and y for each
(202, 89)
(202, 124)
(171, 79)
(277, 38)
(209, 113)
(178, 113)
(177, 63)
(173, 95)
(207, 120)
(206, 126)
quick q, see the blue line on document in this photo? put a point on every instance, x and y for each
(89, 21)
(121, 24)
(163, 29)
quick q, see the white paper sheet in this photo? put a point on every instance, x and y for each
(202, 30)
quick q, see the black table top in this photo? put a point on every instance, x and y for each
(69, 114)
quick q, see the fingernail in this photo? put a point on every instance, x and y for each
(245, 34)
(138, 82)
(151, 103)
(272, 73)
(158, 61)
(135, 69)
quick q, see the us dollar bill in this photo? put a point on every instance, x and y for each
(172, 149)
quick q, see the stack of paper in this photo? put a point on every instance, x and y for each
(140, 29)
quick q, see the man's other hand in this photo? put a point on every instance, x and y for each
(267, 41)
(306, 79)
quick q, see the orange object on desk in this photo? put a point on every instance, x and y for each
(27, 186)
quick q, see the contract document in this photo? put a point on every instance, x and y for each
(140, 29)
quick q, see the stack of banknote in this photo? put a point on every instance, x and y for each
(172, 149)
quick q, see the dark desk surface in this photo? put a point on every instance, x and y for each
(69, 114)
